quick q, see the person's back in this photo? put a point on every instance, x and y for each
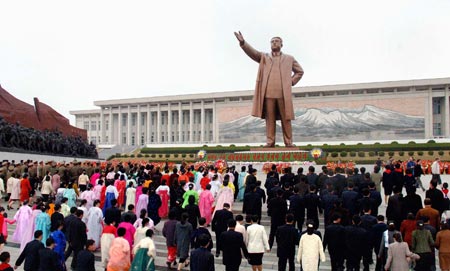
(48, 260)
(201, 258)
(31, 253)
(86, 259)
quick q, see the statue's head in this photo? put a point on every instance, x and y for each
(276, 43)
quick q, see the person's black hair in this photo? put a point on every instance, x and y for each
(255, 218)
(239, 218)
(289, 218)
(73, 210)
(130, 207)
(356, 219)
(83, 201)
(191, 199)
(149, 233)
(143, 213)
(203, 240)
(89, 243)
(79, 213)
(380, 217)
(121, 232)
(37, 234)
(97, 201)
(202, 221)
(50, 241)
(4, 256)
(184, 218)
(231, 223)
(113, 202)
(172, 214)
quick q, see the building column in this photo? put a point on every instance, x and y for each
(149, 116)
(180, 118)
(446, 114)
(110, 126)
(429, 116)
(90, 129)
(215, 124)
(169, 124)
(102, 126)
(98, 132)
(119, 141)
(191, 123)
(138, 126)
(202, 122)
(129, 126)
(158, 124)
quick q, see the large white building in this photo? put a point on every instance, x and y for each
(395, 110)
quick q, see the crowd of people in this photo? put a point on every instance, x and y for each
(78, 208)
(18, 137)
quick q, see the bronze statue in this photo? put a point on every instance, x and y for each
(272, 101)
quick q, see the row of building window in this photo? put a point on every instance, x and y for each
(164, 137)
(94, 125)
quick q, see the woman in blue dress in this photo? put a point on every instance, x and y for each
(110, 194)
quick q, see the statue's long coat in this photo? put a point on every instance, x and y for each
(291, 73)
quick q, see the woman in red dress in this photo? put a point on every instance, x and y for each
(25, 188)
(121, 184)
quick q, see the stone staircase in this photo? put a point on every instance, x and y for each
(270, 260)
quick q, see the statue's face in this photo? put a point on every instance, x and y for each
(276, 44)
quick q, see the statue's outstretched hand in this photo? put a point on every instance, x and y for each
(239, 37)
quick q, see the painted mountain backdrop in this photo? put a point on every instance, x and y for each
(313, 124)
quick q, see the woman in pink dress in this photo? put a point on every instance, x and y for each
(205, 203)
(142, 201)
(225, 195)
(164, 192)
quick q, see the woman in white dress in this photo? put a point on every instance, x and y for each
(95, 222)
(310, 249)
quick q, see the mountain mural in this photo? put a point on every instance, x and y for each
(314, 124)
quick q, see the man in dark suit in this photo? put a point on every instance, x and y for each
(277, 211)
(377, 235)
(349, 198)
(86, 258)
(57, 218)
(357, 244)
(113, 213)
(334, 239)
(231, 244)
(77, 238)
(202, 258)
(252, 202)
(48, 258)
(297, 208)
(287, 238)
(31, 253)
(68, 221)
(219, 223)
(131, 213)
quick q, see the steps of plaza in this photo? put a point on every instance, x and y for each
(270, 260)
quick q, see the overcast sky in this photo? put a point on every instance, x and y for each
(71, 53)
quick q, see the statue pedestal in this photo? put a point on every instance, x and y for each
(276, 149)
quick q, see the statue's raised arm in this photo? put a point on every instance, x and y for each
(249, 50)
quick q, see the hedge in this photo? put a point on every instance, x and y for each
(394, 146)
(343, 154)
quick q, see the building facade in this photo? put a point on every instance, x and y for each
(394, 110)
